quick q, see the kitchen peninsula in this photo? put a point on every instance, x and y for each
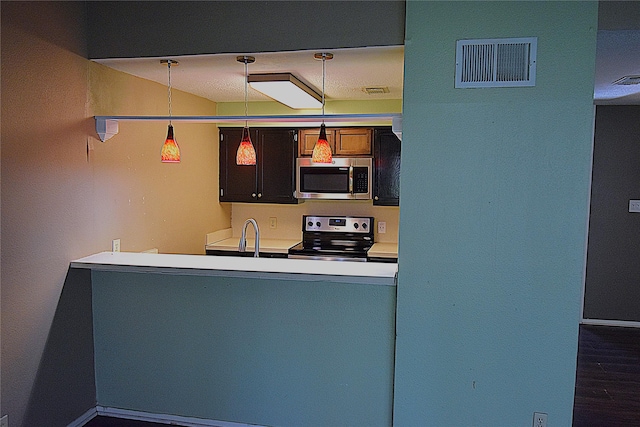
(258, 268)
(248, 340)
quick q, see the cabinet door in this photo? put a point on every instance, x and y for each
(353, 141)
(237, 183)
(386, 179)
(276, 171)
(307, 138)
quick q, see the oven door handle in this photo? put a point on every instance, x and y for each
(351, 179)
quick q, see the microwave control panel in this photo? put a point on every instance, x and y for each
(339, 224)
(360, 179)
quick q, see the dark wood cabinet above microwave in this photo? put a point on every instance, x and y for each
(344, 142)
(271, 179)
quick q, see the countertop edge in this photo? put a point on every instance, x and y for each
(241, 267)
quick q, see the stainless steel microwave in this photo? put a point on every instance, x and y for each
(345, 178)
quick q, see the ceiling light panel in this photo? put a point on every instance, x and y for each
(286, 89)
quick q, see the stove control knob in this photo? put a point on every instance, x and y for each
(364, 225)
(318, 224)
(355, 225)
(310, 223)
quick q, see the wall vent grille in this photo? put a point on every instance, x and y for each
(496, 62)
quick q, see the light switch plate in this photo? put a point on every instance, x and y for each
(634, 205)
(382, 227)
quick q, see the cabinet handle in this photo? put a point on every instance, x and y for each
(253, 194)
(259, 195)
(376, 198)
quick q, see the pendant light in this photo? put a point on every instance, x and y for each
(246, 154)
(322, 149)
(170, 150)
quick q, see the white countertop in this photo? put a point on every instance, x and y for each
(383, 250)
(372, 273)
(280, 246)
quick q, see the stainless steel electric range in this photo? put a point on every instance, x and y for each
(336, 238)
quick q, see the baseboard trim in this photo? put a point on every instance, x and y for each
(603, 322)
(168, 419)
(84, 418)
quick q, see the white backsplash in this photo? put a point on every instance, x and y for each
(289, 217)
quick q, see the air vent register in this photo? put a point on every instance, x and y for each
(496, 62)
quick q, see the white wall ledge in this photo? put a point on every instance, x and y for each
(370, 273)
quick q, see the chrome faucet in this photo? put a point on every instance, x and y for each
(242, 246)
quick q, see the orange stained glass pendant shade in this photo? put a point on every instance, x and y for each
(322, 149)
(170, 150)
(246, 154)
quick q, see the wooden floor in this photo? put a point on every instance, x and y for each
(121, 422)
(608, 377)
(607, 381)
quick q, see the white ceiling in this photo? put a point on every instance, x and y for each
(220, 78)
(617, 56)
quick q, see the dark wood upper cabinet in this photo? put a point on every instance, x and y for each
(386, 179)
(272, 179)
(277, 159)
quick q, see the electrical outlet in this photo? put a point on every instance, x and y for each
(634, 205)
(115, 245)
(4, 421)
(539, 419)
(382, 227)
(273, 222)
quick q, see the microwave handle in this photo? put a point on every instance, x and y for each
(351, 179)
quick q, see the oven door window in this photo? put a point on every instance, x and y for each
(324, 180)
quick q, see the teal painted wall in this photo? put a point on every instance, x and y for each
(269, 352)
(492, 235)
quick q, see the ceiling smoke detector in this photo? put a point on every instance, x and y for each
(628, 80)
(375, 90)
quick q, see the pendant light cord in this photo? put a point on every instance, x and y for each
(169, 67)
(246, 89)
(324, 57)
